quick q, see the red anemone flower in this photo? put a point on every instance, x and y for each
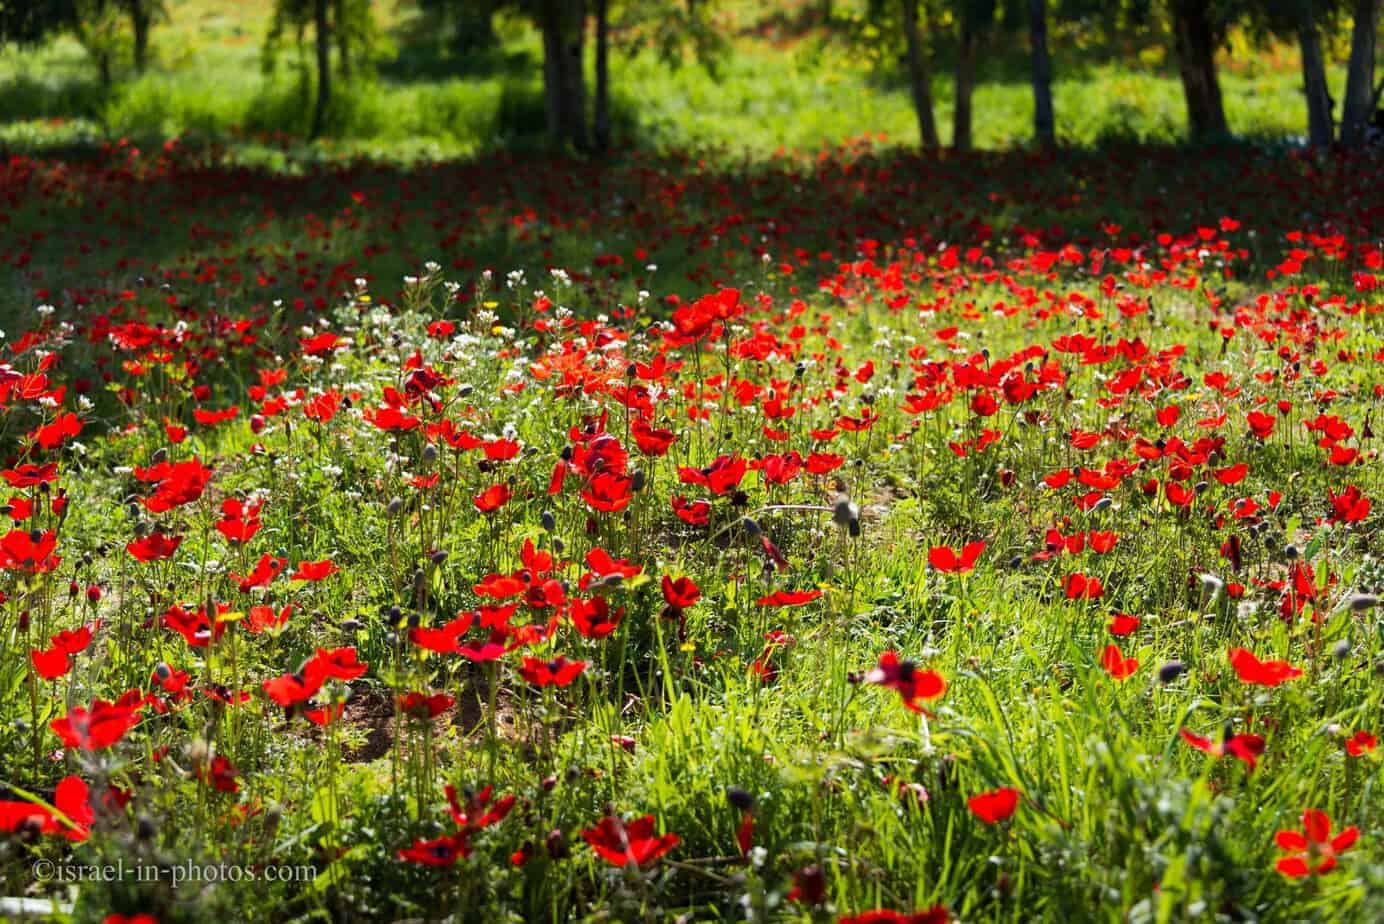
(995, 805)
(557, 671)
(1312, 851)
(622, 843)
(945, 559)
(905, 677)
(73, 818)
(1246, 748)
(938, 914)
(492, 498)
(99, 727)
(1116, 664)
(154, 547)
(1263, 673)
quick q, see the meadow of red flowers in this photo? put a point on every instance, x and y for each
(852, 537)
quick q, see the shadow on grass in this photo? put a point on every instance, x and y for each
(244, 223)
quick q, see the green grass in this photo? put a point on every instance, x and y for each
(188, 277)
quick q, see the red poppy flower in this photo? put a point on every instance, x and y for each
(99, 727)
(695, 513)
(492, 498)
(176, 483)
(1123, 624)
(442, 851)
(266, 569)
(622, 843)
(29, 475)
(220, 774)
(314, 570)
(239, 521)
(64, 427)
(1246, 748)
(1083, 587)
(1350, 506)
(288, 690)
(50, 664)
(423, 706)
(442, 639)
(1361, 743)
(789, 597)
(603, 566)
(558, 671)
(154, 547)
(995, 805)
(1263, 673)
(907, 679)
(1312, 851)
(609, 492)
(29, 551)
(73, 818)
(938, 914)
(594, 618)
(325, 715)
(263, 618)
(946, 560)
(681, 593)
(1116, 664)
(723, 474)
(479, 811)
(336, 664)
(652, 441)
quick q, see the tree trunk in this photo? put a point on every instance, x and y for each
(920, 81)
(103, 68)
(1358, 108)
(1195, 40)
(1044, 124)
(1319, 127)
(140, 20)
(602, 116)
(564, 83)
(965, 85)
(323, 40)
(343, 39)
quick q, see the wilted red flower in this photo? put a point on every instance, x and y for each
(622, 843)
